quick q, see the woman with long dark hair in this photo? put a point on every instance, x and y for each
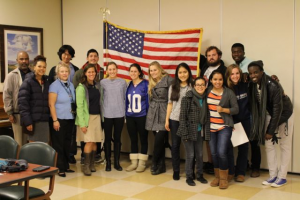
(136, 111)
(181, 84)
(222, 104)
(88, 118)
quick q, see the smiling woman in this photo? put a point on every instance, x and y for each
(33, 102)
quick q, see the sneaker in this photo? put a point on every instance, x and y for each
(269, 181)
(98, 158)
(279, 182)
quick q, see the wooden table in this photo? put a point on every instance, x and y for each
(7, 178)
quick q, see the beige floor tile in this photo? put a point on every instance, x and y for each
(201, 196)
(39, 183)
(124, 188)
(114, 174)
(162, 193)
(147, 178)
(233, 191)
(291, 186)
(63, 191)
(87, 182)
(182, 185)
(94, 195)
(275, 194)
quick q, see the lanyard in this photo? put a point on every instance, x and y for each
(68, 91)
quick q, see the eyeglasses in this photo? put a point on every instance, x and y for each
(198, 85)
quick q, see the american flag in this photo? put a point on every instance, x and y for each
(126, 46)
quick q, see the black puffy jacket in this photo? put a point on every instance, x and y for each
(33, 101)
(279, 105)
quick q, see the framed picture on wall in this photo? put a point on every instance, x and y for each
(18, 38)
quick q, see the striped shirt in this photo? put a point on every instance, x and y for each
(216, 121)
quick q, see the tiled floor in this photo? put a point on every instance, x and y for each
(131, 185)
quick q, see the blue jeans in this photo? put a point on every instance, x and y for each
(219, 145)
(193, 149)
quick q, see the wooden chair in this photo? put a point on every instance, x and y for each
(9, 148)
(37, 153)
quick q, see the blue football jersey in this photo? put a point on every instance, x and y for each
(137, 99)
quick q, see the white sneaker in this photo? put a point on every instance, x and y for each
(269, 181)
(279, 182)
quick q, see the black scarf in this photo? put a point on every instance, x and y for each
(259, 111)
(202, 114)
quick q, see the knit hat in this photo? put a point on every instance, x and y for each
(258, 63)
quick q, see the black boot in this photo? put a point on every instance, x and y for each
(190, 181)
(117, 150)
(201, 179)
(161, 167)
(107, 150)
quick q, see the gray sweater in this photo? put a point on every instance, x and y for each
(113, 97)
(228, 101)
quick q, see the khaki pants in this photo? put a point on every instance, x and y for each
(20, 138)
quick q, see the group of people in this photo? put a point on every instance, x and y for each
(84, 106)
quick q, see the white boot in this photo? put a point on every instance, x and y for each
(142, 162)
(134, 162)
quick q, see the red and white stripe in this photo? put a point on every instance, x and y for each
(168, 49)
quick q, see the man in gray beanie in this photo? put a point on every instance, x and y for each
(272, 114)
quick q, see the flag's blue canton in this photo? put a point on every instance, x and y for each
(125, 41)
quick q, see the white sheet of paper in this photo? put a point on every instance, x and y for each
(239, 135)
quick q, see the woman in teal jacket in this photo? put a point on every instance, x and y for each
(88, 118)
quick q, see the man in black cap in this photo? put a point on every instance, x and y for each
(272, 113)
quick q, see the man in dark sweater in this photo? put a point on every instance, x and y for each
(214, 62)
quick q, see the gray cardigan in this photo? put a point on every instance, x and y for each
(228, 100)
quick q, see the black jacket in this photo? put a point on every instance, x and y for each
(279, 105)
(33, 101)
(52, 74)
(241, 92)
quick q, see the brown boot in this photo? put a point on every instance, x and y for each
(215, 182)
(92, 162)
(223, 179)
(86, 167)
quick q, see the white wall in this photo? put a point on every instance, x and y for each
(266, 28)
(36, 13)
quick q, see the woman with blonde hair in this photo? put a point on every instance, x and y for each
(62, 109)
(159, 83)
(235, 82)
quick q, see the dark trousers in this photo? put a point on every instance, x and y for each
(219, 145)
(176, 141)
(193, 149)
(73, 147)
(242, 158)
(255, 155)
(109, 124)
(136, 129)
(159, 146)
(61, 142)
